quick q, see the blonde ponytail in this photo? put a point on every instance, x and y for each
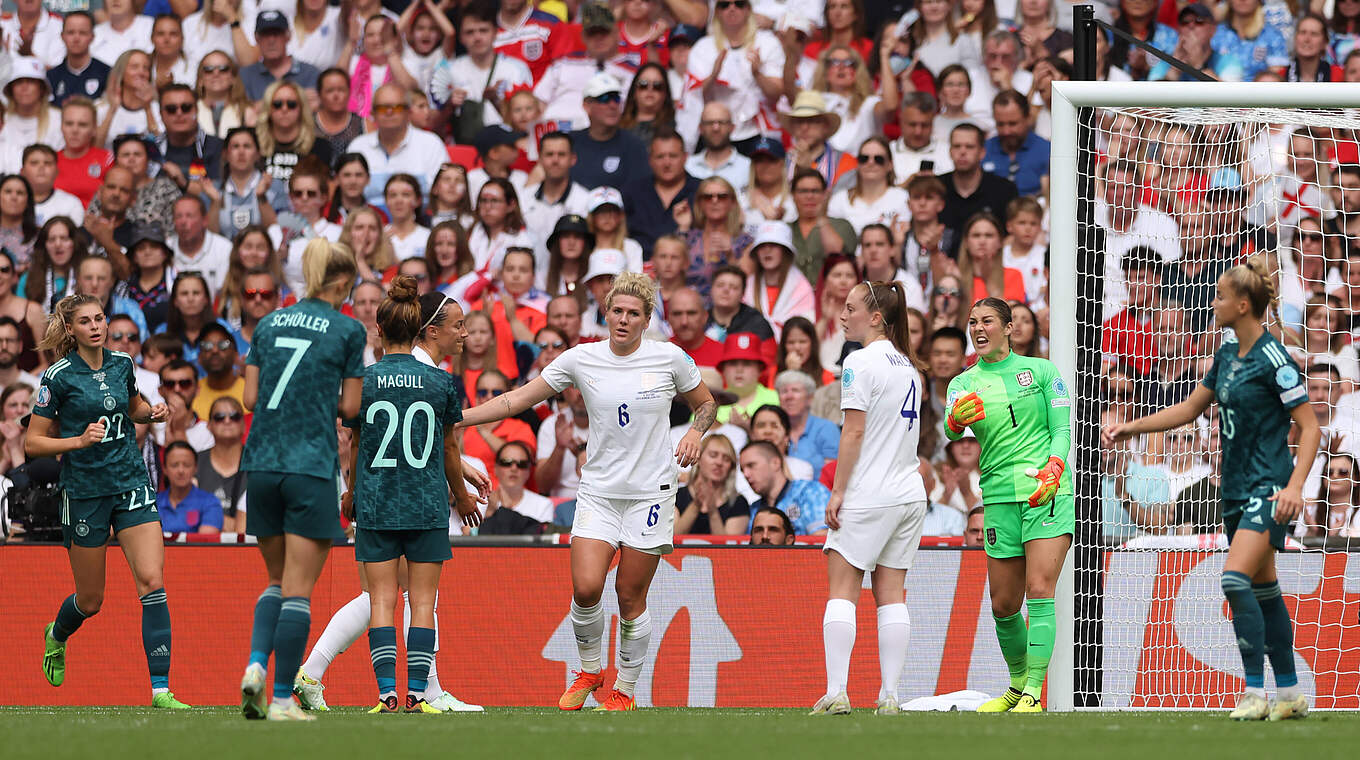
(325, 263)
(1252, 280)
(58, 339)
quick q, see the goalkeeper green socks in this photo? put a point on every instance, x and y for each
(1011, 634)
(1042, 625)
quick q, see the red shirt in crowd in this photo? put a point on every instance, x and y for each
(708, 354)
(82, 176)
(1126, 339)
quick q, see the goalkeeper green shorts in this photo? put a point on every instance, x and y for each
(1008, 525)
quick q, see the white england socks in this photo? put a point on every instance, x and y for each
(587, 623)
(894, 630)
(345, 627)
(432, 686)
(838, 640)
(635, 636)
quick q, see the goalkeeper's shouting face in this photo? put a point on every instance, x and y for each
(989, 325)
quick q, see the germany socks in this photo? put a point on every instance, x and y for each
(69, 619)
(588, 625)
(1014, 641)
(838, 640)
(290, 641)
(382, 650)
(1249, 625)
(1042, 626)
(156, 638)
(1279, 638)
(262, 629)
(345, 627)
(635, 636)
(419, 656)
(894, 631)
(432, 682)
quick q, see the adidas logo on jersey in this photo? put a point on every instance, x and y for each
(160, 651)
(1256, 519)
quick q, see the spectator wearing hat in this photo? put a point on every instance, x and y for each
(569, 248)
(686, 315)
(191, 156)
(481, 76)
(604, 212)
(605, 265)
(152, 275)
(30, 117)
(719, 157)
(79, 73)
(778, 289)
(272, 35)
(767, 197)
(1016, 153)
(741, 66)
(40, 169)
(217, 356)
(396, 146)
(811, 124)
(742, 364)
(917, 150)
(195, 247)
(605, 154)
(32, 30)
(546, 202)
(804, 501)
(496, 147)
(665, 205)
(565, 81)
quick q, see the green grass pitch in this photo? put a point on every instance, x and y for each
(114, 733)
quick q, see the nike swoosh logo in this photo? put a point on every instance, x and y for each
(1050, 524)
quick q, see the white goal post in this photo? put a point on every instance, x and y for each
(1070, 172)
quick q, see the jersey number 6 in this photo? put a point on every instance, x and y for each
(623, 415)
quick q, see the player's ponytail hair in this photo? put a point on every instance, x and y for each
(325, 263)
(889, 299)
(1251, 280)
(58, 339)
(637, 285)
(399, 313)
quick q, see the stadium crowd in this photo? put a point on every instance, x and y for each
(758, 158)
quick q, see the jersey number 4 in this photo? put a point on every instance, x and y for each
(299, 347)
(909, 410)
(380, 459)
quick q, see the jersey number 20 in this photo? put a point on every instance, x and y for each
(909, 411)
(380, 459)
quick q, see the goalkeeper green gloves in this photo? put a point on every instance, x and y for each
(967, 409)
(1048, 481)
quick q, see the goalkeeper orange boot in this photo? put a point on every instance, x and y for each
(584, 685)
(617, 701)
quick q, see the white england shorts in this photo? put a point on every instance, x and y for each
(887, 536)
(646, 525)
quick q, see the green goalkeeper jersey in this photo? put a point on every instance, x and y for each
(1027, 408)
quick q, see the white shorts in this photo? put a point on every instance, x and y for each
(646, 525)
(887, 536)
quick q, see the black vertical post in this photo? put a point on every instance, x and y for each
(1088, 559)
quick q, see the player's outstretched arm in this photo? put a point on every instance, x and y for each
(1289, 500)
(847, 456)
(508, 404)
(1172, 416)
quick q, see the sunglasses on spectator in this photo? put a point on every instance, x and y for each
(183, 384)
(554, 345)
(841, 63)
(224, 416)
(948, 292)
(124, 336)
(651, 84)
(1312, 237)
(305, 193)
(6, 269)
(174, 108)
(723, 5)
(488, 393)
(259, 294)
(880, 159)
(291, 105)
(608, 98)
(388, 109)
(522, 464)
(217, 69)
(215, 345)
(417, 276)
(714, 196)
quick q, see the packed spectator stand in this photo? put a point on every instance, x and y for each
(757, 158)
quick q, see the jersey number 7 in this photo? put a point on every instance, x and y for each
(299, 347)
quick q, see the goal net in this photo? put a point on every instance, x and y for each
(1157, 190)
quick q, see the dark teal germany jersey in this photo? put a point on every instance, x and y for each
(1255, 394)
(399, 478)
(75, 396)
(303, 352)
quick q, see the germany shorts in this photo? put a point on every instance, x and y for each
(86, 522)
(1256, 512)
(430, 545)
(286, 502)
(888, 536)
(646, 525)
(1007, 526)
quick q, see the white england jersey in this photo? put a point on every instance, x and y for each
(628, 450)
(879, 381)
